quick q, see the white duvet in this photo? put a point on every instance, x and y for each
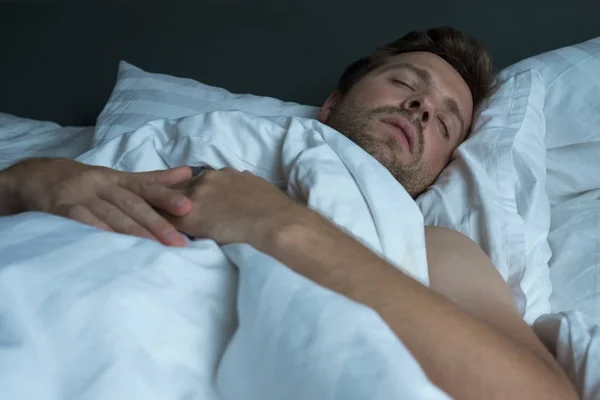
(87, 314)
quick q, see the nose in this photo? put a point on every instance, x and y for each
(422, 107)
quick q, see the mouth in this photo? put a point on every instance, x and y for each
(404, 130)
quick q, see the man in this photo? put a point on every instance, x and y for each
(409, 105)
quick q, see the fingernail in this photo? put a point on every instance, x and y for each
(180, 202)
(171, 235)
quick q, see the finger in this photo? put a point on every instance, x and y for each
(137, 209)
(200, 169)
(167, 177)
(187, 226)
(82, 214)
(193, 181)
(161, 197)
(118, 220)
(181, 186)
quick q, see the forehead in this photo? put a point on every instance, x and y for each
(444, 78)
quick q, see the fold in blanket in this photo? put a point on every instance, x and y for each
(89, 314)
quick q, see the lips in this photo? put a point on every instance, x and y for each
(406, 127)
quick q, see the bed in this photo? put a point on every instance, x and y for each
(525, 186)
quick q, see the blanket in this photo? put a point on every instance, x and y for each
(88, 314)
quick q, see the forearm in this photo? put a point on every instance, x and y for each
(9, 199)
(17, 193)
(461, 354)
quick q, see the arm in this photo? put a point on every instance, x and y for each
(474, 346)
(463, 273)
(467, 335)
(9, 202)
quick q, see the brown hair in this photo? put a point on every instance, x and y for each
(468, 57)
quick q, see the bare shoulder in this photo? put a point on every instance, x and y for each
(462, 272)
(450, 243)
(447, 237)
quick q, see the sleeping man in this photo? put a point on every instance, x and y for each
(409, 105)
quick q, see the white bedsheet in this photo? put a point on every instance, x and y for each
(87, 314)
(575, 338)
(573, 180)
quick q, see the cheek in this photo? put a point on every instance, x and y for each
(437, 154)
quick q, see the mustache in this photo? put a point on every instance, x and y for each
(391, 110)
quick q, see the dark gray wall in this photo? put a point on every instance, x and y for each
(59, 61)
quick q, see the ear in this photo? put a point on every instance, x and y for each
(332, 101)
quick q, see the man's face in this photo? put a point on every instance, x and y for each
(410, 114)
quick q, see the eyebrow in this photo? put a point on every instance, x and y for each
(425, 76)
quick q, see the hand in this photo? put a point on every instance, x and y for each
(233, 207)
(115, 201)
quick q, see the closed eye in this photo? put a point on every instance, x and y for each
(444, 129)
(402, 83)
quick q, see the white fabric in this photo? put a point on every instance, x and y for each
(572, 109)
(482, 192)
(572, 112)
(88, 314)
(575, 338)
(572, 80)
(575, 265)
(25, 138)
(533, 205)
(140, 97)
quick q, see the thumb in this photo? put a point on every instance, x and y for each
(167, 177)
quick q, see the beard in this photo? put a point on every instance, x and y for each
(356, 123)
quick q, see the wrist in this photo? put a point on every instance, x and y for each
(287, 229)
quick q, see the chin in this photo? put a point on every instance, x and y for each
(403, 160)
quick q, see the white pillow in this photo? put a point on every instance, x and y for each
(22, 138)
(572, 77)
(140, 97)
(572, 111)
(493, 191)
